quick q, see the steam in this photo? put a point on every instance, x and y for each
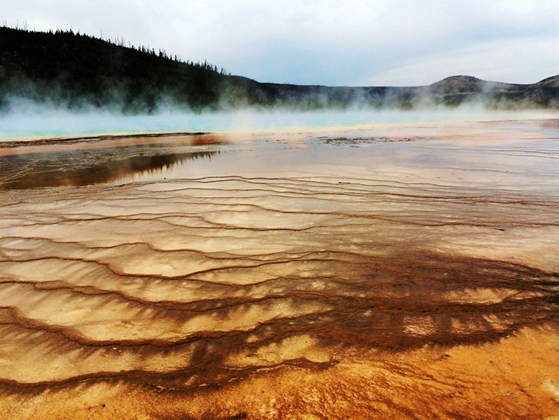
(24, 119)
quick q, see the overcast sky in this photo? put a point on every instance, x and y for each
(328, 42)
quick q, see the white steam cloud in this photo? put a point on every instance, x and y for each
(25, 120)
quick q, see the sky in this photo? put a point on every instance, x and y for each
(324, 42)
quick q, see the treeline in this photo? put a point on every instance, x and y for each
(71, 69)
(78, 70)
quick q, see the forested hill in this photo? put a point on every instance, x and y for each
(76, 70)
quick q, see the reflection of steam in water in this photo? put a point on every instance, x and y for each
(82, 168)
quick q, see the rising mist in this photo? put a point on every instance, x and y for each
(77, 72)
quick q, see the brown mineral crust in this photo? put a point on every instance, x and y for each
(290, 293)
(484, 381)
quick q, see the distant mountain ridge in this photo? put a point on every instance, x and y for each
(75, 70)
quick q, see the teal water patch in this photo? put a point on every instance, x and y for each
(32, 122)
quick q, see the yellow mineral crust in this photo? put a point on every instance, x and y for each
(294, 276)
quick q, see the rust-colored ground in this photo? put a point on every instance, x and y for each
(306, 277)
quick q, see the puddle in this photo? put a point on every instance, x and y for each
(62, 169)
(527, 165)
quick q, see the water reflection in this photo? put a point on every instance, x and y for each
(79, 168)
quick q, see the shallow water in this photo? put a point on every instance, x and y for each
(30, 120)
(151, 159)
(400, 272)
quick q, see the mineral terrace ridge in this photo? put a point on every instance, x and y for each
(390, 271)
(397, 272)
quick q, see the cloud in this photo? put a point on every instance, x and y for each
(335, 42)
(526, 60)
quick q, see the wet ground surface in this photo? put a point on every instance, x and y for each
(394, 272)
